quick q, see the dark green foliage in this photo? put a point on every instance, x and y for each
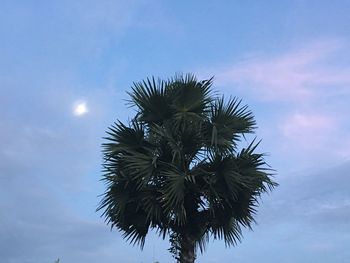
(176, 167)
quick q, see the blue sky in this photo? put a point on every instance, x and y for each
(288, 60)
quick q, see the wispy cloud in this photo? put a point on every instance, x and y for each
(319, 246)
(296, 74)
(308, 87)
(309, 130)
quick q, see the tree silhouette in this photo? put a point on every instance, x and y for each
(176, 167)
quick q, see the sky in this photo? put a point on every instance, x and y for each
(65, 68)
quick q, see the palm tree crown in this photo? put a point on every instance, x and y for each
(176, 167)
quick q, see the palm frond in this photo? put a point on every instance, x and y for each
(253, 167)
(188, 95)
(227, 121)
(176, 166)
(150, 98)
(174, 194)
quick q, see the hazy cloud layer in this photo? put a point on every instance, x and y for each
(308, 213)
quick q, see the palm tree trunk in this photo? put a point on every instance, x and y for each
(187, 253)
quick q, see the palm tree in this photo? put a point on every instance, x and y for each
(176, 168)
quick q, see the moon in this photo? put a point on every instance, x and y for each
(80, 108)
